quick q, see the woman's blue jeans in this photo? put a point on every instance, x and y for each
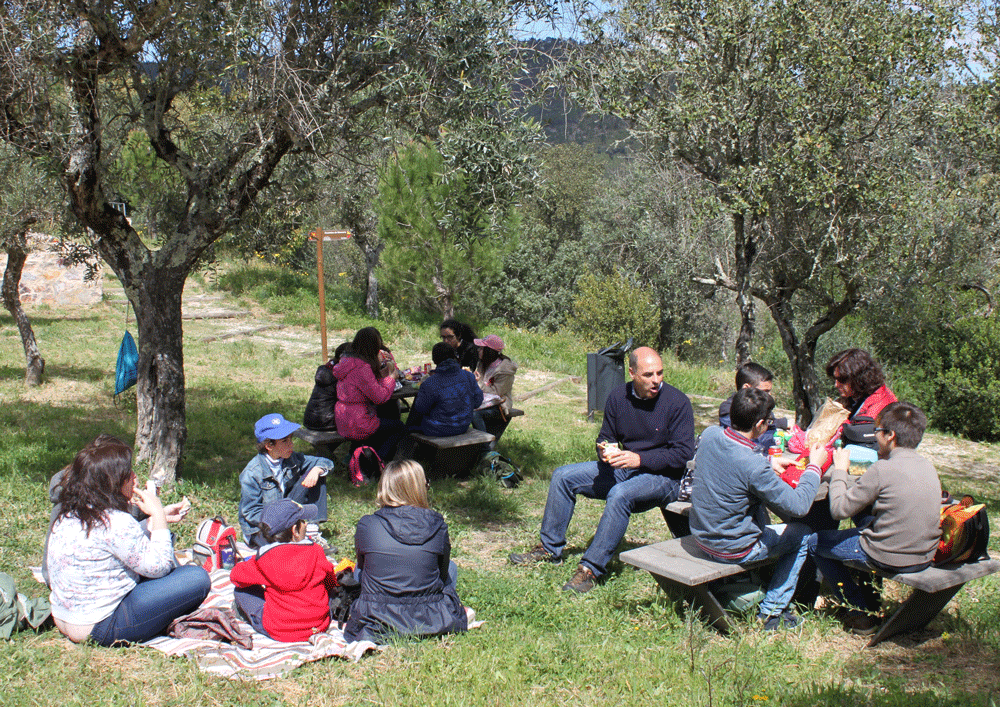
(152, 605)
(830, 549)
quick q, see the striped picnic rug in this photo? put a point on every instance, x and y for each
(268, 658)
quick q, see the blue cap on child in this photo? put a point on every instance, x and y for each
(284, 513)
(273, 426)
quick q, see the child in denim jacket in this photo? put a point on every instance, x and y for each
(277, 472)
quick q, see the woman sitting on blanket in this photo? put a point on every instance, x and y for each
(113, 578)
(404, 564)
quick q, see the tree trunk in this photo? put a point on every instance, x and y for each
(371, 249)
(17, 253)
(161, 429)
(802, 354)
(746, 250)
(371, 291)
(801, 358)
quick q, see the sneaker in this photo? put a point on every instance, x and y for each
(583, 581)
(861, 623)
(313, 533)
(786, 619)
(536, 554)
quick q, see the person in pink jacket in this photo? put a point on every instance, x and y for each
(366, 378)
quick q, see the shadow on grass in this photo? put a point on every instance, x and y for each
(69, 315)
(44, 437)
(479, 501)
(73, 373)
(528, 454)
(40, 439)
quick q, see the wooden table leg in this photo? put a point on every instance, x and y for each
(705, 601)
(678, 525)
(917, 611)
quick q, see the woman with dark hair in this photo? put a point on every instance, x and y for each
(320, 411)
(113, 579)
(366, 378)
(461, 338)
(495, 374)
(860, 382)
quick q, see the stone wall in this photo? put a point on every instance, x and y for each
(47, 280)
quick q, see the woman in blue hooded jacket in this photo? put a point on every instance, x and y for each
(404, 564)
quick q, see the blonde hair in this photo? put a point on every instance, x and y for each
(402, 484)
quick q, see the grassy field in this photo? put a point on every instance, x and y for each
(624, 643)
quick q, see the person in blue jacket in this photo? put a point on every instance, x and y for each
(446, 400)
(754, 375)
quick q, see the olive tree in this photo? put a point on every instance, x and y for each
(801, 116)
(223, 94)
(29, 199)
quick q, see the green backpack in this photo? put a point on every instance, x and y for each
(500, 469)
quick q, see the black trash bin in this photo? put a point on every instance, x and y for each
(605, 372)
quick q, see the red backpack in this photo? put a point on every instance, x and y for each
(365, 465)
(215, 545)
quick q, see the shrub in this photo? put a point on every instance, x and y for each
(967, 399)
(613, 308)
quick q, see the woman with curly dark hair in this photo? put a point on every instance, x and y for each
(462, 338)
(860, 382)
(113, 579)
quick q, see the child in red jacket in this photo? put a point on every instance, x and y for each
(284, 592)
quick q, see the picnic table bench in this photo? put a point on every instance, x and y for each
(676, 517)
(497, 426)
(453, 455)
(325, 441)
(681, 563)
(933, 588)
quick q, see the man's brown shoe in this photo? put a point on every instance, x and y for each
(536, 554)
(861, 623)
(583, 581)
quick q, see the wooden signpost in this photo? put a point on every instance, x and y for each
(320, 235)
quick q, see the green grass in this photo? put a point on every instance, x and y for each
(624, 643)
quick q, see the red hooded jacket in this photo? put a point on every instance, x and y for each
(297, 579)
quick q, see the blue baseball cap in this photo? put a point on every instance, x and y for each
(282, 514)
(273, 426)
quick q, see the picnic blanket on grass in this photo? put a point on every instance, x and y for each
(268, 658)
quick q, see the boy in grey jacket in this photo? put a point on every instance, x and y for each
(734, 485)
(901, 535)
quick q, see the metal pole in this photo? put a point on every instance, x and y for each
(322, 290)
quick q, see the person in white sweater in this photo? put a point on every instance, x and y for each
(114, 579)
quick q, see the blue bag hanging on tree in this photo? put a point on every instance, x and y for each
(127, 370)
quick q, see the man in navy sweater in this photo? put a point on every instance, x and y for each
(732, 490)
(645, 441)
